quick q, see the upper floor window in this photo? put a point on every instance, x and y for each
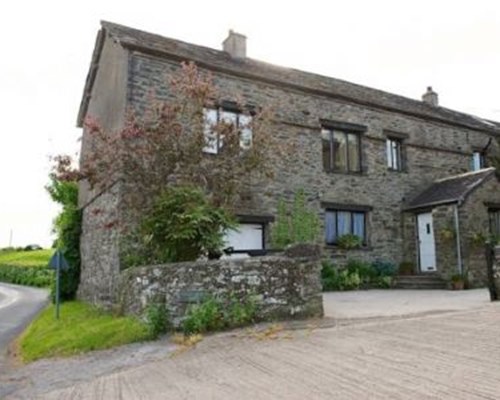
(394, 154)
(478, 161)
(214, 141)
(341, 150)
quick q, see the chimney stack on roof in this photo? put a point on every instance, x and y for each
(430, 97)
(235, 44)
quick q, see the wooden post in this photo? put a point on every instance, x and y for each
(490, 264)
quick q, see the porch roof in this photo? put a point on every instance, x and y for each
(453, 189)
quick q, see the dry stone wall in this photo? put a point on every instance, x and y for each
(287, 286)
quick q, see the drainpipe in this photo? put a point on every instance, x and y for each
(457, 230)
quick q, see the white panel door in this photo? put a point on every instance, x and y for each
(427, 245)
(246, 237)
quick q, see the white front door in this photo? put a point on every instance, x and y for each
(427, 246)
(246, 237)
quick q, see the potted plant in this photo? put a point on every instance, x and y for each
(458, 281)
(406, 268)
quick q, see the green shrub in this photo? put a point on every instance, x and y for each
(384, 268)
(67, 226)
(216, 313)
(334, 279)
(365, 271)
(181, 226)
(157, 318)
(349, 242)
(203, 317)
(383, 282)
(239, 313)
(29, 276)
(301, 225)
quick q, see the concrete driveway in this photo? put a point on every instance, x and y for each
(397, 303)
(450, 355)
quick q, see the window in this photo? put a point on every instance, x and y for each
(495, 222)
(341, 151)
(393, 150)
(247, 236)
(215, 141)
(344, 222)
(478, 161)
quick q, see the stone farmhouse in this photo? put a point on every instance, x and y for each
(409, 177)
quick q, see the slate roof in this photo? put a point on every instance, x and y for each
(453, 189)
(221, 61)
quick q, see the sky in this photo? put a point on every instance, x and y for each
(397, 46)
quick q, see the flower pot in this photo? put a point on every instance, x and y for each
(457, 285)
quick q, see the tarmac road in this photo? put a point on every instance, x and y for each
(18, 306)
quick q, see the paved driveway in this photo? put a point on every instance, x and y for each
(397, 303)
(451, 355)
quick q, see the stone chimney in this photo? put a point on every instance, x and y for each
(235, 44)
(430, 97)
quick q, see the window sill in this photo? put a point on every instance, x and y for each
(337, 249)
(352, 173)
(397, 171)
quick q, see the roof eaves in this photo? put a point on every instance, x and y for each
(91, 75)
(432, 204)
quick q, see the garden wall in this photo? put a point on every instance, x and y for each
(286, 286)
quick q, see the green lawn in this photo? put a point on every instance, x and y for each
(35, 258)
(26, 267)
(81, 328)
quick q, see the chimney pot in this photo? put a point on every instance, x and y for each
(430, 97)
(235, 44)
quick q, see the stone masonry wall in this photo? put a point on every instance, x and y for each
(99, 249)
(474, 220)
(432, 150)
(284, 286)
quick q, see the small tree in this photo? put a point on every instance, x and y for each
(301, 225)
(182, 226)
(165, 147)
(63, 189)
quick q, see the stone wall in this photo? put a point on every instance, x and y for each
(285, 287)
(474, 223)
(432, 150)
(99, 249)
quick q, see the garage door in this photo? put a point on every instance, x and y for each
(247, 237)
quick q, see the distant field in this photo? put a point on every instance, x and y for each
(35, 258)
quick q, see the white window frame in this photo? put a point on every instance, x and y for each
(393, 149)
(214, 141)
(478, 161)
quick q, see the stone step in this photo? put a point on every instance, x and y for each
(419, 282)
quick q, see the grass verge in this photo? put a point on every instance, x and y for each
(80, 329)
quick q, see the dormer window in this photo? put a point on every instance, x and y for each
(215, 141)
(478, 161)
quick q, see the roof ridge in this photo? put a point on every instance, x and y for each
(293, 78)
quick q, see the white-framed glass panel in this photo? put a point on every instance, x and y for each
(210, 121)
(393, 151)
(353, 151)
(340, 151)
(478, 161)
(327, 149)
(247, 236)
(245, 128)
(215, 141)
